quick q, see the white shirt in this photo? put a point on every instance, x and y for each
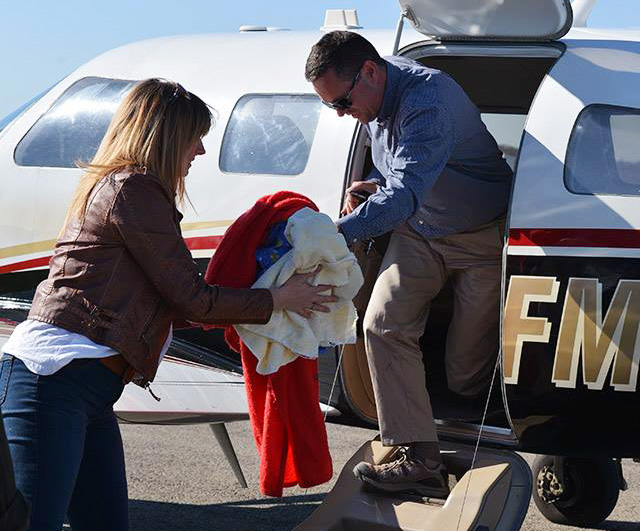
(45, 348)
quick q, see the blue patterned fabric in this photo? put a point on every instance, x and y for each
(437, 165)
(275, 245)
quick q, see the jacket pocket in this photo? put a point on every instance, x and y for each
(148, 324)
(148, 336)
(6, 366)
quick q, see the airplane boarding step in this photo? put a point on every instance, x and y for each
(492, 497)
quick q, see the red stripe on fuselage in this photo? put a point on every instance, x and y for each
(613, 238)
(27, 264)
(200, 242)
(203, 242)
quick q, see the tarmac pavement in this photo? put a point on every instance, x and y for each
(179, 479)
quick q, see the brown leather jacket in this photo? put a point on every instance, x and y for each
(122, 274)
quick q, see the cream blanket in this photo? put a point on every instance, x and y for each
(287, 335)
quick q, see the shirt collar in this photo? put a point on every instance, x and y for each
(390, 90)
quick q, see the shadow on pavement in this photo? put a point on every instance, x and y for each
(263, 514)
(614, 525)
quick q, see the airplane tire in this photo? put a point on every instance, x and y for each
(589, 494)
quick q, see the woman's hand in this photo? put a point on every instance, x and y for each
(355, 195)
(299, 295)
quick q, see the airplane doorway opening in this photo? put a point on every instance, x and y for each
(502, 82)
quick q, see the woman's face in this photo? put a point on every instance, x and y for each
(196, 149)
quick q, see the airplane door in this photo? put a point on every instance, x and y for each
(488, 20)
(570, 330)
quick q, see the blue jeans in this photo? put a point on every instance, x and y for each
(65, 444)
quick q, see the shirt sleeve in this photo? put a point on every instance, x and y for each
(375, 176)
(425, 142)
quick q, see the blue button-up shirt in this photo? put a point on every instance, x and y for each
(438, 167)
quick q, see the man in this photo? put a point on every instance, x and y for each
(442, 185)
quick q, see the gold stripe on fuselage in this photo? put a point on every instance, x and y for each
(47, 245)
(26, 248)
(198, 225)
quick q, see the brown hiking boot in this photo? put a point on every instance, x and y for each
(405, 474)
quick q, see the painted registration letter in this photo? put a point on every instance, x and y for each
(518, 326)
(602, 343)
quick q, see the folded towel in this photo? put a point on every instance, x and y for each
(287, 335)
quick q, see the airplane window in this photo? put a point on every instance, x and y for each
(72, 128)
(270, 134)
(603, 155)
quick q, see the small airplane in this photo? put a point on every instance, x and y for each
(563, 102)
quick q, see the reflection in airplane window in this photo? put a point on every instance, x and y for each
(603, 155)
(270, 134)
(507, 130)
(73, 127)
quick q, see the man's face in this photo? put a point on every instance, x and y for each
(365, 96)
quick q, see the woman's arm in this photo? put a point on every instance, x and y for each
(143, 216)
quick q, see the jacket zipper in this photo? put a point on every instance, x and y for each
(147, 386)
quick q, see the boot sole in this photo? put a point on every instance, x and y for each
(429, 492)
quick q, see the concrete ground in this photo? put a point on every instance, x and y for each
(180, 480)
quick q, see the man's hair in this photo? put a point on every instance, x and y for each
(344, 51)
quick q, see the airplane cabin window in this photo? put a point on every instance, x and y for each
(602, 155)
(270, 134)
(72, 128)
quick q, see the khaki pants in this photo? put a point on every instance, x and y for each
(412, 273)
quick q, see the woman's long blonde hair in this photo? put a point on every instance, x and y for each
(152, 129)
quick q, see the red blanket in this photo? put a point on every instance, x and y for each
(287, 423)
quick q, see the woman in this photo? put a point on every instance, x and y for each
(120, 275)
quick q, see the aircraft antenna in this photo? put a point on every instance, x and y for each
(340, 19)
(581, 11)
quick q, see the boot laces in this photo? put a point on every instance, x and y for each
(398, 462)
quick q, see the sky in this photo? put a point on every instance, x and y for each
(41, 41)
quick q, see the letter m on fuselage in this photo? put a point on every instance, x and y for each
(600, 343)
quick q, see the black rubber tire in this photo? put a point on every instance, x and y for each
(592, 489)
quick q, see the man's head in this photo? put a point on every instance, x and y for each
(348, 74)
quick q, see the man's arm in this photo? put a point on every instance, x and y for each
(359, 191)
(426, 141)
(375, 177)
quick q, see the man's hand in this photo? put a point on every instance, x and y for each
(355, 195)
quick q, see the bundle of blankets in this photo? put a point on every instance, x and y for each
(281, 235)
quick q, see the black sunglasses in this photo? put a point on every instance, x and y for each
(342, 104)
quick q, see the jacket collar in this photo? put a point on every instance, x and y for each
(390, 92)
(165, 190)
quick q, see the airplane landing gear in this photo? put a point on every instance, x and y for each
(575, 491)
